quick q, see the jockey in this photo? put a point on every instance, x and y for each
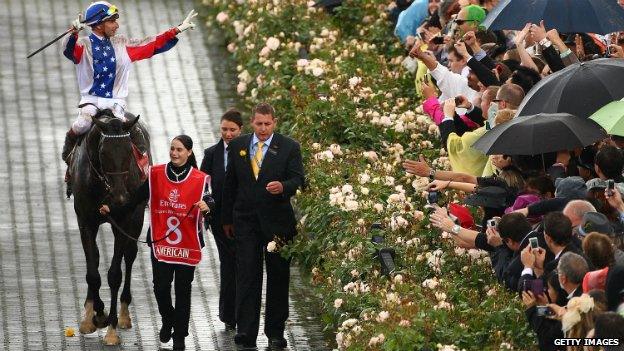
(103, 62)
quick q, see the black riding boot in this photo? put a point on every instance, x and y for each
(70, 141)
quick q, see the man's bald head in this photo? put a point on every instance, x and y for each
(511, 94)
(576, 209)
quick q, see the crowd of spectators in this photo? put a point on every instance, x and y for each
(553, 224)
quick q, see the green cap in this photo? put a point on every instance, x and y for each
(475, 13)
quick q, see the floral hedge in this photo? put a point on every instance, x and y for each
(339, 88)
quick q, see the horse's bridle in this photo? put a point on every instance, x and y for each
(101, 174)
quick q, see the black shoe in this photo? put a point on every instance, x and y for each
(165, 333)
(277, 343)
(230, 326)
(240, 338)
(178, 344)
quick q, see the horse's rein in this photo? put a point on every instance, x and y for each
(148, 242)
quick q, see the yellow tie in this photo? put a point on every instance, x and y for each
(257, 159)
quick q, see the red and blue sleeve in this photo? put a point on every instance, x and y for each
(73, 51)
(161, 43)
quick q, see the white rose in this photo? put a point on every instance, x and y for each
(383, 315)
(337, 303)
(271, 246)
(222, 17)
(378, 207)
(264, 52)
(241, 88)
(317, 71)
(302, 62)
(353, 81)
(273, 43)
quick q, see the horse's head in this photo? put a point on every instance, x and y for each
(114, 153)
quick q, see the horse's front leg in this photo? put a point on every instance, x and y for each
(93, 303)
(114, 282)
(126, 295)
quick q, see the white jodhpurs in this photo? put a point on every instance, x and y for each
(83, 122)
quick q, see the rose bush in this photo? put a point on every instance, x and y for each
(338, 87)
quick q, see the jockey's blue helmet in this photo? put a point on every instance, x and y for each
(99, 12)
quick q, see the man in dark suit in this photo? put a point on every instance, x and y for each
(264, 171)
(214, 163)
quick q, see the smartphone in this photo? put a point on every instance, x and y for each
(610, 186)
(534, 243)
(432, 197)
(438, 40)
(536, 286)
(427, 79)
(543, 311)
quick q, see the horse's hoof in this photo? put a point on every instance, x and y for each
(124, 321)
(111, 337)
(87, 327)
(100, 321)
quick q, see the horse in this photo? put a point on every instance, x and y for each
(103, 170)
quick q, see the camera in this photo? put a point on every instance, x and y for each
(610, 186)
(493, 222)
(534, 243)
(438, 40)
(432, 197)
(543, 311)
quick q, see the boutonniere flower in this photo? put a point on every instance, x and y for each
(276, 244)
(243, 153)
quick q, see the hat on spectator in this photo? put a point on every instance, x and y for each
(475, 13)
(595, 222)
(586, 158)
(489, 196)
(464, 217)
(522, 201)
(571, 188)
(598, 183)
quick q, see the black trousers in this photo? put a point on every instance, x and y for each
(164, 275)
(250, 254)
(227, 272)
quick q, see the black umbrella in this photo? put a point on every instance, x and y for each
(539, 134)
(584, 16)
(579, 89)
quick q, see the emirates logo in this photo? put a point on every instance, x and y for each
(174, 195)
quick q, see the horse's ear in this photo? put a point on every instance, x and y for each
(129, 124)
(98, 122)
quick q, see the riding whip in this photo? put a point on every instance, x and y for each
(62, 35)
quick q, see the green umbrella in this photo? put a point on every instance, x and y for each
(611, 118)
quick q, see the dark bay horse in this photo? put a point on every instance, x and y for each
(104, 171)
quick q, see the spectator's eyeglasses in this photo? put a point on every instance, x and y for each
(462, 21)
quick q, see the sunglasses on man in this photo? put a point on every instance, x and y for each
(462, 21)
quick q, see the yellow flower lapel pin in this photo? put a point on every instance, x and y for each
(243, 153)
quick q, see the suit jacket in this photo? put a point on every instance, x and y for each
(212, 164)
(245, 198)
